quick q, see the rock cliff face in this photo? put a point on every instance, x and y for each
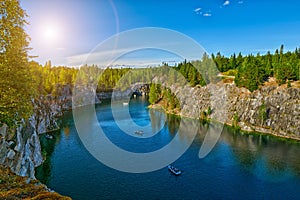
(48, 109)
(20, 148)
(282, 110)
(271, 109)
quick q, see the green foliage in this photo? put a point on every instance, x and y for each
(222, 62)
(209, 110)
(289, 84)
(199, 72)
(46, 79)
(231, 72)
(235, 121)
(190, 73)
(251, 73)
(170, 99)
(262, 113)
(155, 93)
(15, 80)
(109, 78)
(203, 116)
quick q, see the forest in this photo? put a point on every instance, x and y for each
(252, 71)
(248, 71)
(22, 79)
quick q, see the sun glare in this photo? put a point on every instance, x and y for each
(51, 33)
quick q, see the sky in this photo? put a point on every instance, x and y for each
(65, 30)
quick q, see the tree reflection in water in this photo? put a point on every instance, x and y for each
(265, 156)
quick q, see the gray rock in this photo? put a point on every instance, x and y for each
(26, 154)
(10, 143)
(282, 104)
(11, 154)
(3, 130)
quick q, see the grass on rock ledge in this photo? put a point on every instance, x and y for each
(16, 187)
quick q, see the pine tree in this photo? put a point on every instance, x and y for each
(15, 83)
(239, 60)
(154, 93)
(233, 61)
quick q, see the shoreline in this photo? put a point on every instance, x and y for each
(245, 131)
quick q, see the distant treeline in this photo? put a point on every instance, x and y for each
(48, 78)
(251, 71)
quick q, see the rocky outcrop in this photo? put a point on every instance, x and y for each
(281, 110)
(271, 109)
(48, 109)
(20, 147)
(15, 187)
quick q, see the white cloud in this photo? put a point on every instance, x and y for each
(226, 3)
(131, 56)
(101, 58)
(197, 9)
(240, 2)
(207, 15)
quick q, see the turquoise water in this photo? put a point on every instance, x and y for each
(239, 167)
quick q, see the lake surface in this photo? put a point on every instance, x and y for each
(240, 166)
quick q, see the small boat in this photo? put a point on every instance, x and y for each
(174, 170)
(50, 137)
(139, 132)
(125, 103)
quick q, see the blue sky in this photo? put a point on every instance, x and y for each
(77, 26)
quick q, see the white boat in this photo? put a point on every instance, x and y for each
(139, 132)
(50, 137)
(174, 170)
(125, 103)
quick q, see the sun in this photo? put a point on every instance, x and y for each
(51, 33)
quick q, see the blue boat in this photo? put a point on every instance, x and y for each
(174, 170)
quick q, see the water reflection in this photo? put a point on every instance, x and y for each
(173, 123)
(267, 157)
(66, 131)
(157, 120)
(43, 172)
(243, 165)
